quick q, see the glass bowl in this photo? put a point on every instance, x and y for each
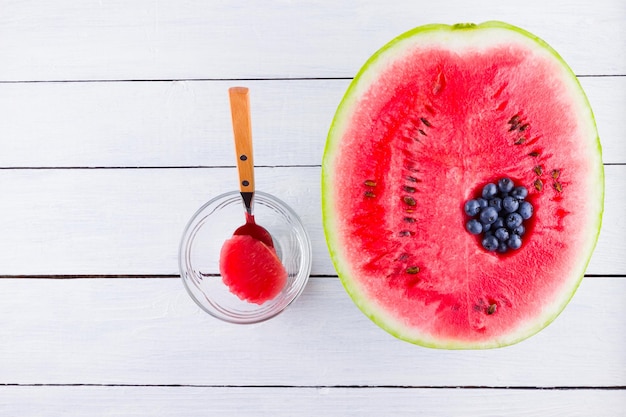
(202, 241)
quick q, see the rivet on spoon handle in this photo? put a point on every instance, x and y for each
(242, 130)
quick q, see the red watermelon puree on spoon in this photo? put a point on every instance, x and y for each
(249, 264)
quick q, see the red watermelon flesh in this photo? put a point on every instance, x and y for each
(431, 118)
(251, 269)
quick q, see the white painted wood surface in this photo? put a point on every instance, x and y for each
(187, 123)
(146, 39)
(321, 401)
(129, 221)
(114, 129)
(138, 331)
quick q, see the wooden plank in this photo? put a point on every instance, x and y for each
(66, 40)
(130, 221)
(276, 402)
(161, 124)
(148, 331)
(602, 98)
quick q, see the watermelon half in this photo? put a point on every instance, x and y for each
(431, 118)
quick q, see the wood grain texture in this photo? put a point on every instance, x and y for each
(148, 331)
(147, 39)
(130, 221)
(159, 124)
(330, 402)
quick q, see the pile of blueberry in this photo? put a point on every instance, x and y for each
(498, 216)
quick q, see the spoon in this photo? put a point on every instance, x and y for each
(242, 129)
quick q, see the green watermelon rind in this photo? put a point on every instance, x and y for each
(368, 308)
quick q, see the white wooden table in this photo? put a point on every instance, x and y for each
(115, 128)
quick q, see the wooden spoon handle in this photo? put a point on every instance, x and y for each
(242, 129)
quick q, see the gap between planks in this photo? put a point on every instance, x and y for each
(176, 276)
(26, 168)
(167, 80)
(434, 387)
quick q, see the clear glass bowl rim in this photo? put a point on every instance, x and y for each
(299, 282)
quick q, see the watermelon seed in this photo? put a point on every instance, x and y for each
(425, 121)
(534, 154)
(422, 132)
(520, 140)
(409, 219)
(405, 233)
(492, 309)
(538, 170)
(408, 189)
(524, 127)
(370, 183)
(409, 200)
(514, 120)
(557, 186)
(403, 257)
(412, 179)
(369, 194)
(412, 270)
(440, 83)
(555, 173)
(538, 185)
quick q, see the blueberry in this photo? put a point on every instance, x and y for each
(472, 208)
(489, 215)
(514, 242)
(490, 243)
(525, 210)
(505, 185)
(519, 230)
(519, 192)
(502, 234)
(513, 220)
(496, 203)
(482, 202)
(502, 247)
(498, 223)
(487, 227)
(474, 227)
(489, 191)
(510, 204)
